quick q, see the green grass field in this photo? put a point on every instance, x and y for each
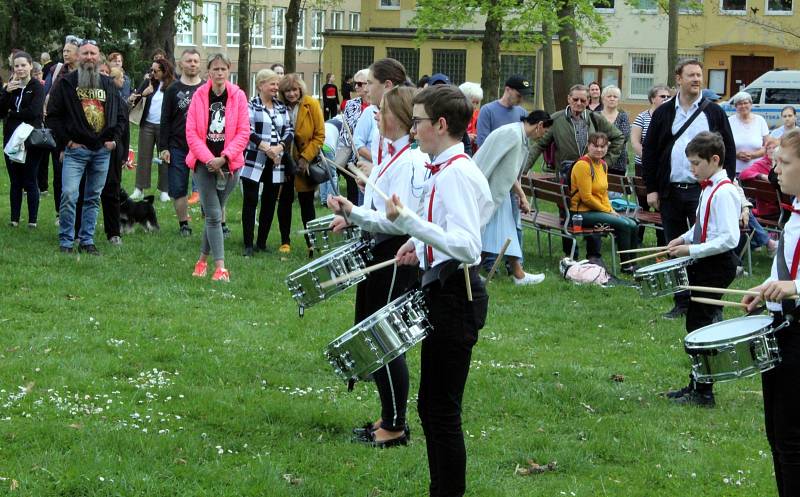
(122, 375)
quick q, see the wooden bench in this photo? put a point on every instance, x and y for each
(643, 215)
(757, 190)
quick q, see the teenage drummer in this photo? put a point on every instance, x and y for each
(446, 237)
(711, 243)
(400, 170)
(781, 402)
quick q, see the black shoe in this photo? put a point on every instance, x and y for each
(695, 398)
(384, 444)
(365, 430)
(260, 248)
(675, 313)
(248, 252)
(65, 250)
(594, 259)
(677, 394)
(226, 232)
(88, 249)
(186, 230)
(629, 268)
(310, 253)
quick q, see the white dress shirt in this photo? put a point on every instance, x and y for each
(791, 235)
(680, 172)
(722, 233)
(403, 174)
(462, 205)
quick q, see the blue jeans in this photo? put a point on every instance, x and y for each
(77, 161)
(760, 235)
(331, 186)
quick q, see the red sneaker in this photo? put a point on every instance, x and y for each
(221, 274)
(200, 269)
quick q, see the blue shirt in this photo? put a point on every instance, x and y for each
(493, 115)
(366, 129)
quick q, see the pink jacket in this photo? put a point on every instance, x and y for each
(237, 127)
(761, 166)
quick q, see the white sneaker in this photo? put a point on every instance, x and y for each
(164, 197)
(529, 279)
(137, 194)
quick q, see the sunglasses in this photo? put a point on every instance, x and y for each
(360, 83)
(88, 42)
(72, 40)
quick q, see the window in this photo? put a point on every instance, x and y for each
(522, 65)
(355, 21)
(278, 34)
(691, 7)
(779, 7)
(210, 23)
(316, 86)
(782, 96)
(605, 75)
(317, 27)
(232, 25)
(389, 4)
(301, 29)
(755, 94)
(257, 29)
(356, 58)
(337, 20)
(733, 6)
(648, 6)
(450, 62)
(185, 25)
(233, 77)
(409, 57)
(603, 5)
(642, 74)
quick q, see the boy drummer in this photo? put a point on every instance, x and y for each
(781, 402)
(711, 242)
(446, 237)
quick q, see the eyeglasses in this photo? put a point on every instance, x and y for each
(87, 42)
(416, 120)
(578, 100)
(359, 83)
(662, 96)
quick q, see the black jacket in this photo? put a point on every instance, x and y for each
(657, 147)
(28, 110)
(68, 121)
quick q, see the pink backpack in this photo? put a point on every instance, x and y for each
(584, 272)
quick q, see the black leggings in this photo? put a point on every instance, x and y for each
(307, 211)
(281, 193)
(24, 176)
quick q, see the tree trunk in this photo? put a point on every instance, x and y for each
(490, 58)
(160, 33)
(568, 37)
(245, 23)
(13, 28)
(290, 48)
(548, 97)
(672, 41)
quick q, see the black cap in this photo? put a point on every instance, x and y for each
(538, 116)
(520, 84)
(439, 79)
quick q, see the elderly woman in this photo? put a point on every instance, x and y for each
(309, 135)
(749, 131)
(217, 132)
(619, 118)
(589, 193)
(22, 101)
(474, 94)
(270, 137)
(595, 97)
(352, 111)
(789, 118)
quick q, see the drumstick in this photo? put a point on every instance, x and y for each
(468, 282)
(363, 177)
(723, 303)
(636, 251)
(657, 254)
(356, 273)
(497, 261)
(350, 135)
(711, 289)
(340, 168)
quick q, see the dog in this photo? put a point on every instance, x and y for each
(132, 212)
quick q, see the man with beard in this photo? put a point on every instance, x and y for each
(172, 135)
(85, 114)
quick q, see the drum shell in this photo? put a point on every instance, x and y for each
(655, 281)
(323, 239)
(305, 282)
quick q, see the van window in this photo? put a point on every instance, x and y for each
(755, 94)
(783, 96)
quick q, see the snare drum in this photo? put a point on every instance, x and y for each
(732, 349)
(323, 239)
(380, 338)
(663, 278)
(306, 283)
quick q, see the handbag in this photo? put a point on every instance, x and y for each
(317, 171)
(41, 138)
(136, 112)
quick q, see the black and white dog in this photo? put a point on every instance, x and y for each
(132, 212)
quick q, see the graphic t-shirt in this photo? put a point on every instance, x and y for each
(173, 115)
(93, 103)
(215, 138)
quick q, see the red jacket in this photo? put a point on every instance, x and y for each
(761, 166)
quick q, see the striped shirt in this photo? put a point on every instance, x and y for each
(642, 121)
(272, 126)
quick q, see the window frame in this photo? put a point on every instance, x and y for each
(354, 16)
(258, 20)
(277, 24)
(606, 10)
(640, 75)
(455, 78)
(381, 5)
(301, 31)
(317, 34)
(181, 17)
(205, 33)
(316, 84)
(340, 15)
(602, 69)
(768, 12)
(232, 17)
(727, 12)
(654, 10)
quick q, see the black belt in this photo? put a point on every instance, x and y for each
(441, 272)
(684, 186)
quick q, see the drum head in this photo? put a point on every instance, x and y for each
(660, 266)
(727, 331)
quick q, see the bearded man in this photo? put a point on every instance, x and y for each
(85, 113)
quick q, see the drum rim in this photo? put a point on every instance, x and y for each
(677, 263)
(323, 259)
(383, 311)
(695, 344)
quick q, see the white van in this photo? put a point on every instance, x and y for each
(771, 92)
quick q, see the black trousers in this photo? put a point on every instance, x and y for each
(352, 189)
(23, 177)
(717, 271)
(678, 211)
(42, 173)
(271, 194)
(331, 110)
(782, 411)
(109, 200)
(444, 365)
(371, 295)
(307, 211)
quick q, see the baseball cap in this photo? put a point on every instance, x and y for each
(520, 84)
(538, 116)
(710, 94)
(439, 79)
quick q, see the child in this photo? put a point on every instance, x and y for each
(711, 241)
(446, 238)
(781, 403)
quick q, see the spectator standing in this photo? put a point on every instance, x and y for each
(749, 131)
(619, 118)
(278, 69)
(86, 115)
(330, 97)
(789, 118)
(46, 62)
(217, 131)
(506, 109)
(352, 111)
(474, 94)
(172, 134)
(271, 137)
(347, 89)
(115, 59)
(595, 97)
(333, 128)
(36, 73)
(309, 135)
(151, 96)
(22, 101)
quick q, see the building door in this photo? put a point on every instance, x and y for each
(745, 69)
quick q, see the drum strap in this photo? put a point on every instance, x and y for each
(700, 233)
(785, 274)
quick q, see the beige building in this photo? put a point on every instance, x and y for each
(213, 26)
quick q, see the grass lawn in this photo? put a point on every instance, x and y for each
(122, 375)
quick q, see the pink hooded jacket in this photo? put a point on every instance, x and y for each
(237, 127)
